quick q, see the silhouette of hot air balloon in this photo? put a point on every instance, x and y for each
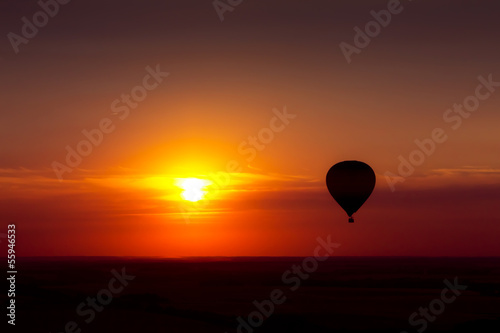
(350, 183)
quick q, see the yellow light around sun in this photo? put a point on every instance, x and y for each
(193, 188)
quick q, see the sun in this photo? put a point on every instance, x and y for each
(193, 188)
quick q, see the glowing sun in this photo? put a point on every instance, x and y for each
(192, 188)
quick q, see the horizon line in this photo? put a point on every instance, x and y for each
(229, 257)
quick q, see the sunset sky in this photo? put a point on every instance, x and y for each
(227, 81)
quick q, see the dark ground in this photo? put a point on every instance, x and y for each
(344, 294)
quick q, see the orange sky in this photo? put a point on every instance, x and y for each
(227, 81)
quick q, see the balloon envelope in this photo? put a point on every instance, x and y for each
(350, 183)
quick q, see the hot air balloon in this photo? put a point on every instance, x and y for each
(350, 183)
